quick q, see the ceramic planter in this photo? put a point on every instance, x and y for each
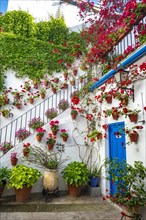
(133, 137)
(50, 179)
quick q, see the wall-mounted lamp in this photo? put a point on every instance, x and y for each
(123, 75)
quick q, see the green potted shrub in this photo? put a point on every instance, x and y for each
(22, 178)
(76, 175)
(129, 180)
(4, 176)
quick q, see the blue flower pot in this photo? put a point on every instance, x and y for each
(94, 181)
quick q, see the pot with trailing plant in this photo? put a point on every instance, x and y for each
(76, 175)
(22, 134)
(51, 161)
(4, 176)
(40, 133)
(131, 113)
(63, 104)
(26, 149)
(35, 123)
(74, 112)
(64, 134)
(14, 158)
(50, 141)
(130, 193)
(51, 113)
(20, 181)
(95, 135)
(54, 125)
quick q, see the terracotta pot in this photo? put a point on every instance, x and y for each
(23, 194)
(72, 83)
(25, 153)
(50, 146)
(133, 137)
(14, 161)
(115, 117)
(65, 138)
(73, 116)
(75, 72)
(19, 106)
(133, 117)
(81, 80)
(54, 90)
(65, 75)
(124, 102)
(99, 136)
(28, 88)
(65, 86)
(109, 99)
(39, 138)
(31, 100)
(56, 80)
(1, 189)
(43, 95)
(54, 132)
(50, 179)
(35, 86)
(74, 191)
(46, 83)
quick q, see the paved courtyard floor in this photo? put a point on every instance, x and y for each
(62, 208)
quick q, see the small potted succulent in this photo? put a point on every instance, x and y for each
(40, 133)
(64, 134)
(50, 141)
(14, 158)
(35, 123)
(63, 104)
(51, 113)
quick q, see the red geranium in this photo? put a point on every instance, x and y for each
(75, 100)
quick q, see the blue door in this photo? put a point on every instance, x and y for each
(116, 146)
(3, 5)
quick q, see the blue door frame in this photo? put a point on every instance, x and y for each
(116, 146)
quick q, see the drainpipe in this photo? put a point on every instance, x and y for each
(128, 61)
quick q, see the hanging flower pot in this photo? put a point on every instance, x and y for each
(133, 117)
(109, 99)
(124, 101)
(38, 138)
(14, 161)
(35, 86)
(54, 90)
(65, 138)
(73, 116)
(99, 136)
(50, 146)
(31, 100)
(42, 95)
(133, 137)
(54, 132)
(75, 71)
(26, 152)
(72, 82)
(65, 75)
(115, 117)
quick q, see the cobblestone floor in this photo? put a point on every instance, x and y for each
(62, 208)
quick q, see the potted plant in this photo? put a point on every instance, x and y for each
(63, 104)
(6, 146)
(14, 158)
(17, 103)
(35, 123)
(36, 82)
(43, 93)
(4, 175)
(54, 125)
(26, 149)
(32, 96)
(123, 97)
(22, 134)
(40, 133)
(51, 113)
(27, 85)
(50, 161)
(20, 181)
(51, 140)
(5, 112)
(129, 180)
(95, 135)
(74, 112)
(113, 111)
(105, 96)
(76, 175)
(64, 134)
(131, 113)
(132, 133)
(95, 175)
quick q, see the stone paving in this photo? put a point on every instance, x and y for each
(62, 208)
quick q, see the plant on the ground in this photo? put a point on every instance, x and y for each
(76, 174)
(130, 183)
(23, 176)
(4, 175)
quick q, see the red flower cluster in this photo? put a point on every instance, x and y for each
(75, 100)
(26, 145)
